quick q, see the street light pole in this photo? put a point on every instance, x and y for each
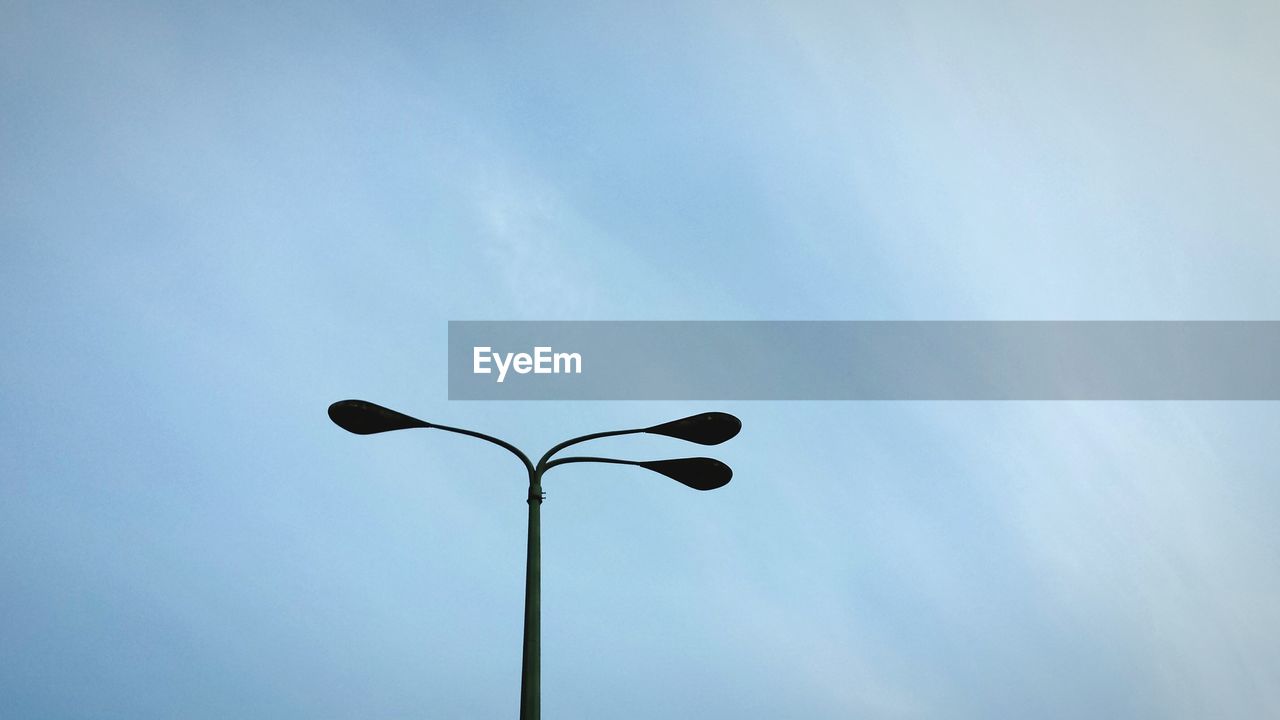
(700, 473)
(531, 659)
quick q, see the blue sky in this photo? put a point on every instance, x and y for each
(216, 220)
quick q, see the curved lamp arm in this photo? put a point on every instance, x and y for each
(709, 428)
(582, 459)
(699, 473)
(528, 465)
(365, 418)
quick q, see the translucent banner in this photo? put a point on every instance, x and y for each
(864, 360)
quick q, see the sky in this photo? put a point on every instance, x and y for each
(216, 219)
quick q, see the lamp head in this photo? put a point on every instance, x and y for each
(366, 418)
(711, 428)
(699, 473)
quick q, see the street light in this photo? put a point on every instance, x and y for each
(700, 473)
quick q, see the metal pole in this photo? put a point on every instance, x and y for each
(531, 666)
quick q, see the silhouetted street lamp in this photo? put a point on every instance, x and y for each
(699, 473)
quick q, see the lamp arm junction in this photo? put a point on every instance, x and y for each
(543, 463)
